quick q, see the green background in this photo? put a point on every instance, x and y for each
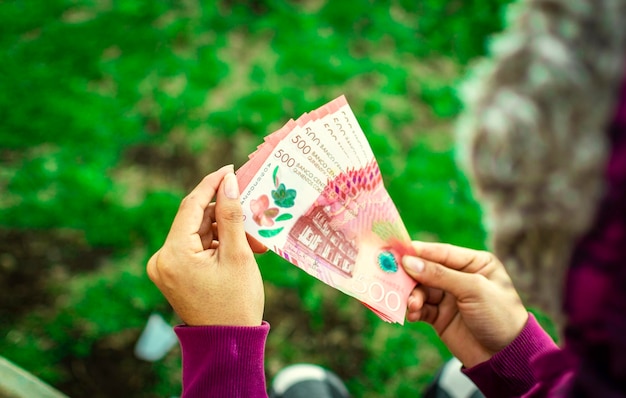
(110, 111)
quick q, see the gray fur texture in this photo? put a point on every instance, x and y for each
(533, 135)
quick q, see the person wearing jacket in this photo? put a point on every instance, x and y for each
(543, 139)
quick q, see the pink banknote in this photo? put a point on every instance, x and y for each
(313, 193)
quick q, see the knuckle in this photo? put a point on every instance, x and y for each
(167, 271)
(488, 260)
(151, 268)
(485, 256)
(187, 201)
(164, 268)
(479, 282)
(438, 271)
(447, 250)
(239, 257)
(232, 214)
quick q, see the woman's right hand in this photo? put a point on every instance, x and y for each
(467, 296)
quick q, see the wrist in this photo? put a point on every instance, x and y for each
(223, 319)
(483, 345)
(469, 360)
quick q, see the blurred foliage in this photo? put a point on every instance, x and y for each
(110, 110)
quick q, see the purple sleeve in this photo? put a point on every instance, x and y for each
(595, 300)
(510, 372)
(223, 361)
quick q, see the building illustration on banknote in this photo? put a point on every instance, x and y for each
(315, 235)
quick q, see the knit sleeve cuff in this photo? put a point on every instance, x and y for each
(223, 361)
(509, 373)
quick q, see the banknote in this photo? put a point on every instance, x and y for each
(313, 193)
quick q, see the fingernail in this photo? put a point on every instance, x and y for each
(227, 168)
(231, 187)
(414, 264)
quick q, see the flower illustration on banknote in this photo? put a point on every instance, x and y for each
(262, 214)
(266, 216)
(284, 197)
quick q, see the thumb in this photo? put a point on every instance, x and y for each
(229, 219)
(460, 284)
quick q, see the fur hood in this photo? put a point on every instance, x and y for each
(533, 135)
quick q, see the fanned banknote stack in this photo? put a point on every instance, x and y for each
(312, 192)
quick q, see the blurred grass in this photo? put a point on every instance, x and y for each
(111, 110)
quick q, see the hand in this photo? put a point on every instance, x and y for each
(468, 298)
(206, 267)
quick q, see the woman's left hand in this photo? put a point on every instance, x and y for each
(206, 267)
